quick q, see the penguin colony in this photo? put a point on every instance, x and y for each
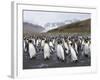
(60, 45)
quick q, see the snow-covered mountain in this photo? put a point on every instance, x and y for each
(54, 25)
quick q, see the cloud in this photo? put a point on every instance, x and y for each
(43, 17)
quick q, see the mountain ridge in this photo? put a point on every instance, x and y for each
(80, 26)
(32, 28)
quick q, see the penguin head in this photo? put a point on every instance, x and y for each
(46, 41)
(30, 41)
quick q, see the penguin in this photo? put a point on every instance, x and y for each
(42, 43)
(86, 49)
(46, 50)
(66, 46)
(73, 53)
(37, 42)
(53, 41)
(60, 51)
(82, 47)
(51, 46)
(32, 50)
(33, 40)
(76, 49)
(24, 45)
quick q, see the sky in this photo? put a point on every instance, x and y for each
(43, 17)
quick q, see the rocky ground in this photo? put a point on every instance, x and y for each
(53, 62)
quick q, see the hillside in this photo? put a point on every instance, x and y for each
(81, 26)
(31, 28)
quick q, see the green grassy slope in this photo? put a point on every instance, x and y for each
(78, 27)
